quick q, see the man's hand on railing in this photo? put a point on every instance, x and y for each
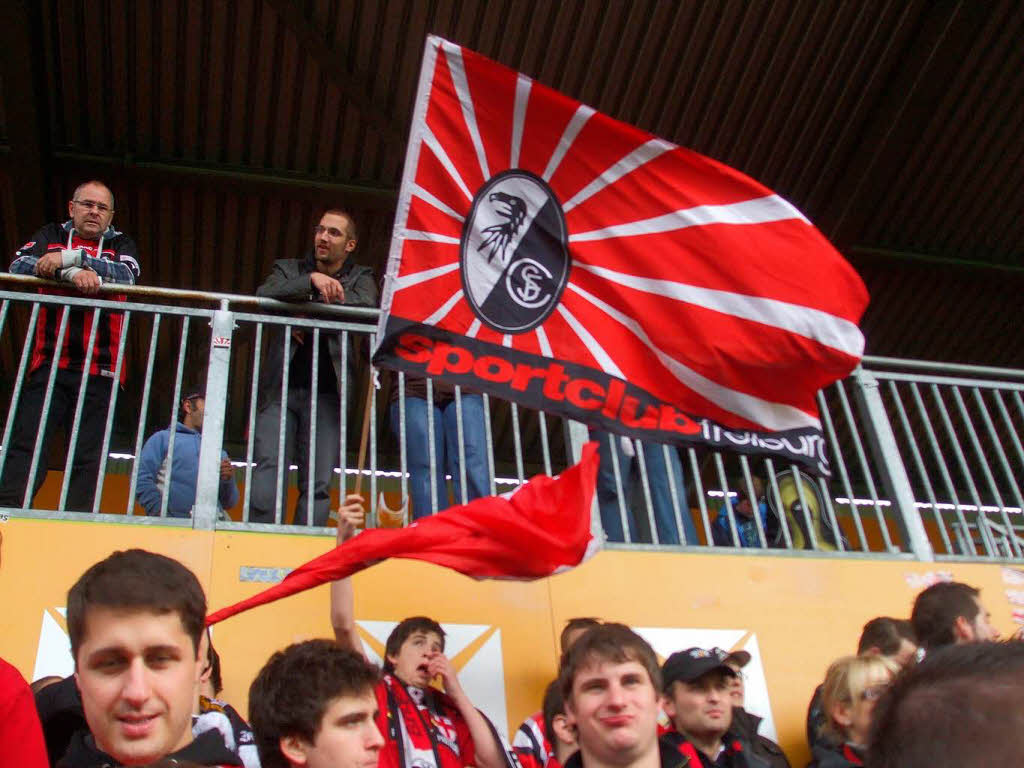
(329, 288)
(48, 264)
(87, 281)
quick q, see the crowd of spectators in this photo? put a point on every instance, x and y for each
(937, 689)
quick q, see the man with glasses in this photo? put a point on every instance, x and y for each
(83, 253)
(327, 274)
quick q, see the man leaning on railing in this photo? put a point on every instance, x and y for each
(84, 252)
(328, 274)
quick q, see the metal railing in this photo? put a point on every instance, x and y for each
(925, 459)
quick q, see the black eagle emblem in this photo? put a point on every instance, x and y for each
(499, 236)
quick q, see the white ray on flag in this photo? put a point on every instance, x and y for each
(457, 67)
(572, 130)
(813, 324)
(760, 210)
(435, 146)
(635, 159)
(752, 408)
(415, 278)
(603, 358)
(424, 194)
(506, 340)
(474, 328)
(445, 308)
(523, 85)
(431, 237)
(542, 339)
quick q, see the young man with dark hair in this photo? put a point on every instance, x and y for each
(313, 705)
(963, 706)
(533, 736)
(610, 682)
(746, 724)
(135, 620)
(697, 700)
(881, 636)
(422, 726)
(951, 612)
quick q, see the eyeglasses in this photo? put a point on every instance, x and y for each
(90, 204)
(332, 230)
(873, 693)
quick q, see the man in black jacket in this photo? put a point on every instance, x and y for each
(329, 275)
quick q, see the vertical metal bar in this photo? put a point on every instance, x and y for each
(26, 350)
(343, 424)
(211, 445)
(253, 397)
(432, 448)
(827, 496)
(576, 436)
(144, 407)
(517, 444)
(1010, 429)
(674, 492)
(3, 314)
(402, 444)
(797, 480)
(754, 502)
(111, 406)
(489, 441)
(983, 460)
(646, 486)
(966, 470)
(730, 516)
(79, 405)
(373, 444)
(460, 440)
(947, 423)
(175, 402)
(943, 469)
(545, 448)
(45, 413)
(1003, 459)
(867, 387)
(773, 482)
(919, 463)
(283, 462)
(613, 449)
(833, 438)
(698, 487)
(314, 397)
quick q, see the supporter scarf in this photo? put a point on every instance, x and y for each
(424, 734)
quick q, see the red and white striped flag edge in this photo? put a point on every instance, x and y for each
(550, 255)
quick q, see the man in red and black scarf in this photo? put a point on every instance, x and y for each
(422, 726)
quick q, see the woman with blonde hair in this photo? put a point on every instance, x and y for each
(853, 685)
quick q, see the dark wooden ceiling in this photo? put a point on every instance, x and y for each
(223, 125)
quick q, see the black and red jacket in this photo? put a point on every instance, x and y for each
(117, 263)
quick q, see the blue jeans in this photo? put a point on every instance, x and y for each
(609, 451)
(446, 450)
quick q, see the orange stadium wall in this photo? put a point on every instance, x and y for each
(794, 614)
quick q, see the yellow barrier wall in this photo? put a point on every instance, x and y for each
(799, 613)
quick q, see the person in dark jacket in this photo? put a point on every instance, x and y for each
(696, 699)
(744, 723)
(329, 275)
(853, 685)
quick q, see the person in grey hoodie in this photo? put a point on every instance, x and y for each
(153, 473)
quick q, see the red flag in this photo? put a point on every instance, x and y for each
(553, 256)
(541, 528)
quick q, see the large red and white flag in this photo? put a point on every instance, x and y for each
(553, 256)
(540, 529)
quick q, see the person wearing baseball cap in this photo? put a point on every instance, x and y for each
(745, 723)
(696, 684)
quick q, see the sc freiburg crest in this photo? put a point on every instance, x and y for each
(514, 253)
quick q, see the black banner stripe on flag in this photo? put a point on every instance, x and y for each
(578, 392)
(532, 229)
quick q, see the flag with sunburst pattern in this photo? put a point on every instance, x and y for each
(550, 255)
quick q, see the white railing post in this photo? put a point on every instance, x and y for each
(894, 474)
(576, 435)
(204, 514)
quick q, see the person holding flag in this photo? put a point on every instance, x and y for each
(421, 725)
